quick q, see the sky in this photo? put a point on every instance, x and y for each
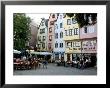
(37, 17)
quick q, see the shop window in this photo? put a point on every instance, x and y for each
(68, 57)
(56, 56)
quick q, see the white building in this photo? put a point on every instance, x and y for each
(42, 35)
(59, 45)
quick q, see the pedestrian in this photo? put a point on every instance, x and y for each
(45, 64)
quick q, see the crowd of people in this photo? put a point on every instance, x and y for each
(33, 62)
(80, 63)
(29, 63)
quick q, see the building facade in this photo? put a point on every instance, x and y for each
(34, 31)
(88, 36)
(59, 44)
(51, 28)
(71, 38)
(42, 35)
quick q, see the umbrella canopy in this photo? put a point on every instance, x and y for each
(16, 51)
(35, 53)
(41, 53)
(45, 53)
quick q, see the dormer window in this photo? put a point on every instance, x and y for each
(53, 16)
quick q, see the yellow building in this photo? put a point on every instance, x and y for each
(71, 38)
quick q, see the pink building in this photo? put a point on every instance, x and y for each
(51, 27)
(88, 36)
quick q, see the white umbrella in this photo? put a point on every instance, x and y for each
(16, 51)
(35, 53)
(45, 53)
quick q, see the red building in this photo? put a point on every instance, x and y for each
(51, 27)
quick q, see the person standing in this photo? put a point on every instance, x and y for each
(45, 64)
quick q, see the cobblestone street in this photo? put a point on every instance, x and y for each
(52, 69)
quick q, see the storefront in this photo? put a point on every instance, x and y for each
(59, 55)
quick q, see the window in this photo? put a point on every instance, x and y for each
(77, 44)
(50, 29)
(42, 24)
(87, 43)
(53, 16)
(66, 33)
(56, 26)
(43, 30)
(44, 38)
(61, 34)
(61, 25)
(50, 37)
(74, 48)
(60, 16)
(56, 35)
(39, 38)
(73, 44)
(74, 21)
(76, 31)
(68, 21)
(91, 30)
(69, 44)
(40, 31)
(85, 29)
(51, 23)
(56, 56)
(56, 45)
(70, 32)
(43, 45)
(62, 44)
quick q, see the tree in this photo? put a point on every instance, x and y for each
(21, 30)
(83, 18)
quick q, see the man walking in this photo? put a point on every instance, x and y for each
(45, 64)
